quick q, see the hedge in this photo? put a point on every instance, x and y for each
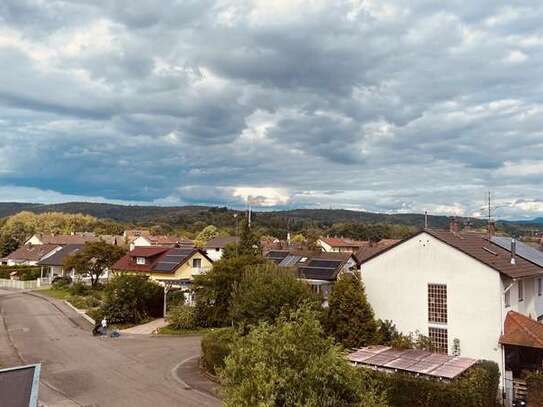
(216, 346)
(24, 272)
(535, 389)
(476, 388)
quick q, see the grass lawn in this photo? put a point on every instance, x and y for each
(59, 294)
(168, 330)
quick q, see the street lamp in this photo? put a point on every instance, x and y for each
(167, 286)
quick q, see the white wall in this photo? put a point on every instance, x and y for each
(532, 303)
(214, 254)
(397, 287)
(140, 242)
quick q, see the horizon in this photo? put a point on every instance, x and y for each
(360, 105)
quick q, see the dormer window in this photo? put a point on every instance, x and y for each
(140, 260)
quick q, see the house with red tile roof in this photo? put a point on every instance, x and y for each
(474, 294)
(340, 244)
(171, 266)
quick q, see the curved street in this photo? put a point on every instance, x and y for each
(81, 370)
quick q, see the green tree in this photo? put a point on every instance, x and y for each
(94, 259)
(249, 243)
(292, 363)
(298, 238)
(214, 289)
(207, 233)
(349, 317)
(131, 299)
(8, 244)
(264, 291)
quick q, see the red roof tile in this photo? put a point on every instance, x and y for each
(30, 252)
(520, 330)
(147, 251)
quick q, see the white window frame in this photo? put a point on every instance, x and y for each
(198, 266)
(140, 260)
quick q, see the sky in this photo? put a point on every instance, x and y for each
(377, 105)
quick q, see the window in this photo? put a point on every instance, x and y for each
(196, 263)
(520, 290)
(440, 340)
(437, 303)
(508, 298)
(217, 249)
(140, 260)
(539, 287)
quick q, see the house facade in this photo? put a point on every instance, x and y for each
(29, 254)
(215, 247)
(458, 289)
(53, 266)
(160, 241)
(172, 267)
(339, 245)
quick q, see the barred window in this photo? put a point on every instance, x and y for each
(437, 303)
(440, 340)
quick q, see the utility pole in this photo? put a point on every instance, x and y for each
(425, 219)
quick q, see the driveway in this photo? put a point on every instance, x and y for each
(81, 370)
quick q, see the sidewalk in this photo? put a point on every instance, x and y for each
(146, 329)
(191, 376)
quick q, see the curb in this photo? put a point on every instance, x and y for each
(80, 312)
(185, 385)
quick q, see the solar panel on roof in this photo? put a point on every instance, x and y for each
(324, 263)
(288, 261)
(523, 250)
(165, 266)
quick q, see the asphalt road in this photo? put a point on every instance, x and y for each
(81, 370)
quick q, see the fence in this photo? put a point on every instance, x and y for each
(24, 285)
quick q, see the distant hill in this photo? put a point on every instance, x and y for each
(183, 215)
(536, 221)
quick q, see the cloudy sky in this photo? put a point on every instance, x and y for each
(358, 104)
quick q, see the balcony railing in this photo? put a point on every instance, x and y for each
(200, 270)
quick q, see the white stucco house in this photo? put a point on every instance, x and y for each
(215, 247)
(460, 288)
(160, 241)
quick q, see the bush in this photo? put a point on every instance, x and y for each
(181, 317)
(175, 298)
(4, 274)
(29, 274)
(535, 389)
(132, 299)
(216, 346)
(61, 282)
(79, 288)
(264, 291)
(476, 388)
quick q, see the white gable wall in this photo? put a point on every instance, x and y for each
(397, 287)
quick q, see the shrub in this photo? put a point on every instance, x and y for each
(29, 274)
(61, 282)
(132, 299)
(78, 301)
(175, 298)
(4, 274)
(292, 363)
(79, 288)
(476, 388)
(264, 291)
(181, 317)
(216, 346)
(349, 317)
(535, 389)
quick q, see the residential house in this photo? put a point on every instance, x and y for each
(320, 270)
(473, 295)
(340, 244)
(53, 265)
(61, 240)
(215, 247)
(161, 241)
(369, 249)
(174, 267)
(29, 254)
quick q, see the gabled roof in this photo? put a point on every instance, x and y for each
(520, 330)
(371, 249)
(342, 242)
(311, 265)
(221, 241)
(158, 259)
(78, 238)
(477, 246)
(30, 252)
(57, 259)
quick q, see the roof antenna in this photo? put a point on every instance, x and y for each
(425, 219)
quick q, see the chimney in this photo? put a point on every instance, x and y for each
(454, 226)
(513, 250)
(288, 237)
